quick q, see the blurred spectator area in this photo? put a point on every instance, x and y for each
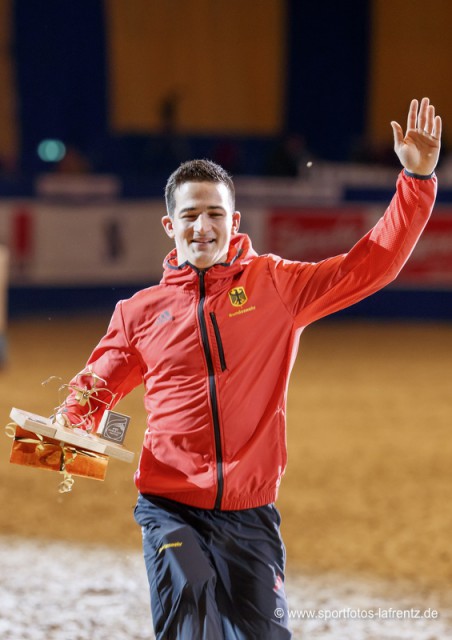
(102, 99)
(105, 86)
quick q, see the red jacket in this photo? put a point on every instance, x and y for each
(215, 351)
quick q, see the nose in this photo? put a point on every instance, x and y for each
(202, 223)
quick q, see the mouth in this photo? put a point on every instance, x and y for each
(202, 242)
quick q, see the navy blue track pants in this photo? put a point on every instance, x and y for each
(214, 575)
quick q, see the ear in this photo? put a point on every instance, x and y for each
(236, 216)
(167, 223)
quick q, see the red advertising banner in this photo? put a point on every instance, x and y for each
(313, 234)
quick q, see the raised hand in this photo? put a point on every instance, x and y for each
(418, 150)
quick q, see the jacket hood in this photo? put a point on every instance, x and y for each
(240, 253)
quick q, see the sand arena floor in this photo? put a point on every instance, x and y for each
(366, 500)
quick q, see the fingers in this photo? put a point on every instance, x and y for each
(424, 119)
(430, 119)
(412, 115)
(62, 420)
(398, 133)
(422, 116)
(437, 128)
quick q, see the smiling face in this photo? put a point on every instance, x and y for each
(202, 223)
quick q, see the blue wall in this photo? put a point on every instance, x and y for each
(328, 61)
(60, 54)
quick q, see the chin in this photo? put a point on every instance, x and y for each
(203, 265)
(202, 261)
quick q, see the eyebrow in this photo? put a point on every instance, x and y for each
(210, 208)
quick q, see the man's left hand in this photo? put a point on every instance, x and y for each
(418, 150)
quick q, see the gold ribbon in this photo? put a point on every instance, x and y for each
(83, 395)
(68, 454)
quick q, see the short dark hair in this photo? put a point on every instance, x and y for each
(196, 171)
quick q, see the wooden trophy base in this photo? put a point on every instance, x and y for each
(39, 442)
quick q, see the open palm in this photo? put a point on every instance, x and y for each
(418, 150)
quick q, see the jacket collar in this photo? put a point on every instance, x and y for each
(240, 253)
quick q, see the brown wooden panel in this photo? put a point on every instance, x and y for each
(224, 59)
(8, 121)
(411, 58)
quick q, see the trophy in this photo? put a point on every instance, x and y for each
(72, 450)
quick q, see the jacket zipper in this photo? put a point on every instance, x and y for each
(212, 389)
(218, 339)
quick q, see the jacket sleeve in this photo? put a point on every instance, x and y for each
(313, 290)
(112, 371)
